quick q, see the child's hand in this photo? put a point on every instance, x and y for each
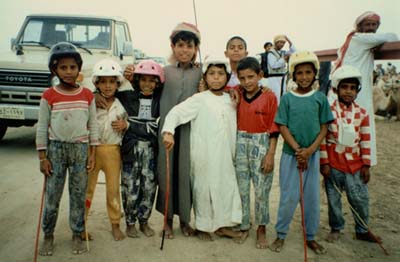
(119, 125)
(168, 140)
(268, 163)
(325, 170)
(235, 95)
(302, 154)
(128, 72)
(90, 163)
(45, 167)
(302, 166)
(100, 101)
(365, 175)
(202, 86)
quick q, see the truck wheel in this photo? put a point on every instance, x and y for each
(3, 129)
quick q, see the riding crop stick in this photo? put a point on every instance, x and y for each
(40, 216)
(303, 224)
(166, 198)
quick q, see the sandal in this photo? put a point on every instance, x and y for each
(277, 245)
(242, 238)
(317, 248)
(333, 236)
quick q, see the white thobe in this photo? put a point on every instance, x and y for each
(216, 199)
(360, 55)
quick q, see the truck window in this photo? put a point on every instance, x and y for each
(87, 33)
(120, 37)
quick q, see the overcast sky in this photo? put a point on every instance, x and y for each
(310, 24)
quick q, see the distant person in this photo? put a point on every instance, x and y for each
(357, 51)
(379, 70)
(264, 58)
(107, 77)
(277, 65)
(345, 155)
(302, 117)
(66, 137)
(212, 116)
(391, 69)
(255, 147)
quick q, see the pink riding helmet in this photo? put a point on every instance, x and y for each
(149, 67)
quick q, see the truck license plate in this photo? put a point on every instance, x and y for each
(12, 113)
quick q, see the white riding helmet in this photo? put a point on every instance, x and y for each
(216, 60)
(344, 72)
(107, 67)
(302, 57)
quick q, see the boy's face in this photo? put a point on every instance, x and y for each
(216, 77)
(184, 51)
(347, 92)
(236, 50)
(67, 69)
(304, 75)
(249, 80)
(107, 85)
(147, 84)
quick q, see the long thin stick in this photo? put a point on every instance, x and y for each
(166, 199)
(362, 221)
(195, 20)
(40, 217)
(303, 224)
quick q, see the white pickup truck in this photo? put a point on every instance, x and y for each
(24, 74)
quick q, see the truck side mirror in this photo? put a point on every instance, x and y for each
(12, 42)
(127, 49)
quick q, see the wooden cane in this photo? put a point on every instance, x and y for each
(303, 224)
(166, 199)
(40, 216)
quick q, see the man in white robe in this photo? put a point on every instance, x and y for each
(358, 51)
(277, 65)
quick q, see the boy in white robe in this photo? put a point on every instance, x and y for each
(212, 114)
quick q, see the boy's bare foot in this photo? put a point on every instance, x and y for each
(317, 248)
(228, 232)
(46, 249)
(77, 245)
(333, 236)
(187, 230)
(277, 245)
(368, 237)
(146, 229)
(242, 238)
(131, 231)
(168, 231)
(261, 242)
(83, 236)
(204, 235)
(116, 232)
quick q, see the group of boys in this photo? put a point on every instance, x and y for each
(345, 149)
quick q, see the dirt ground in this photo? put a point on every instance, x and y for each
(20, 194)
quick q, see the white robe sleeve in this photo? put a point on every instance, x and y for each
(182, 113)
(368, 40)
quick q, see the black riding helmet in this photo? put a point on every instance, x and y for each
(63, 50)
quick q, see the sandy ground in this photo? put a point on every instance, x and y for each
(20, 194)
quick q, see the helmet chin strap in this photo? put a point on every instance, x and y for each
(65, 83)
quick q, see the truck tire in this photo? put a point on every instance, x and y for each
(3, 129)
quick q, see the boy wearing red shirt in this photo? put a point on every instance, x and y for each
(255, 146)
